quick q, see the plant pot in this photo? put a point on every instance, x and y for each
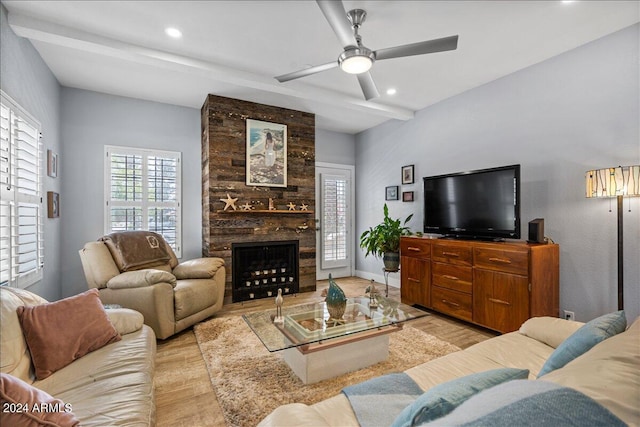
(391, 261)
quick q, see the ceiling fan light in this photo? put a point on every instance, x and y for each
(356, 61)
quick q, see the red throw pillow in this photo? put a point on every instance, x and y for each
(25, 405)
(60, 332)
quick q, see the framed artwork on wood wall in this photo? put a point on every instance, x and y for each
(266, 154)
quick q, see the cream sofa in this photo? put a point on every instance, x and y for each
(609, 373)
(107, 387)
(171, 296)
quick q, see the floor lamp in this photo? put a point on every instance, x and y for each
(618, 182)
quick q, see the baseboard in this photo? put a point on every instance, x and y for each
(394, 278)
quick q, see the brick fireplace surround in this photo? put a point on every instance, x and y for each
(223, 171)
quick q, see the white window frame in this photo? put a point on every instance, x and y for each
(16, 169)
(144, 203)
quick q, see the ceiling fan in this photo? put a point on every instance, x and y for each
(358, 59)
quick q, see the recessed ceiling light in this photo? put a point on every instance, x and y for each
(173, 32)
(391, 91)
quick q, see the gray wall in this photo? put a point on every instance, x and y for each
(26, 79)
(335, 147)
(91, 120)
(558, 119)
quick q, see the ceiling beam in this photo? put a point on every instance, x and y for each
(48, 32)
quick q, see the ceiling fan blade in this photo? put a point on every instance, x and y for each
(368, 86)
(337, 17)
(306, 72)
(420, 48)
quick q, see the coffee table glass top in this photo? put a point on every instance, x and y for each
(310, 323)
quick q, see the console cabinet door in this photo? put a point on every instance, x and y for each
(500, 300)
(415, 281)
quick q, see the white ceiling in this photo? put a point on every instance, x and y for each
(235, 48)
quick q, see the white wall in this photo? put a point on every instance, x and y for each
(91, 120)
(558, 119)
(335, 147)
(25, 78)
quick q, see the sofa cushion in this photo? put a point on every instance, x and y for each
(140, 278)
(15, 359)
(609, 374)
(529, 403)
(549, 330)
(60, 332)
(136, 250)
(200, 268)
(25, 405)
(444, 398)
(584, 339)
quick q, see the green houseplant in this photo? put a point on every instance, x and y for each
(384, 239)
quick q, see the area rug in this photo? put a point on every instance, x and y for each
(250, 382)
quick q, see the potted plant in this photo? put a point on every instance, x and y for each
(384, 240)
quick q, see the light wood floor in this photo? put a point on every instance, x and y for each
(184, 396)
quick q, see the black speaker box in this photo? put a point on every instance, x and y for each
(536, 231)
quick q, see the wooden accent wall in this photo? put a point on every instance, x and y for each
(223, 171)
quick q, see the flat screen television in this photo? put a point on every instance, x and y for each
(479, 204)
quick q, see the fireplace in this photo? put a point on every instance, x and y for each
(259, 269)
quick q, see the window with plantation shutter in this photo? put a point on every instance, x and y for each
(21, 196)
(143, 192)
(335, 249)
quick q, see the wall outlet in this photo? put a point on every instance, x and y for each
(569, 315)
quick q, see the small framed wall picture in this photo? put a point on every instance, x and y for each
(391, 193)
(53, 204)
(407, 174)
(52, 164)
(407, 196)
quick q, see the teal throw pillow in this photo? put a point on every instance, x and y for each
(444, 398)
(583, 339)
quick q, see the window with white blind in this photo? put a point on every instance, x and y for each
(21, 208)
(335, 247)
(143, 192)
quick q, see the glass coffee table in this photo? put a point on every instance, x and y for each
(317, 347)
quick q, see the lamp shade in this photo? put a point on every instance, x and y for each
(613, 182)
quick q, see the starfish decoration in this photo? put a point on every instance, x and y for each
(246, 207)
(292, 207)
(304, 207)
(229, 202)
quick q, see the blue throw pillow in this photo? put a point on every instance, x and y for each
(444, 398)
(583, 339)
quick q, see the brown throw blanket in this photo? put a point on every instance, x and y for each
(135, 250)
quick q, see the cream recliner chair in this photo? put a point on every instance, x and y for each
(139, 270)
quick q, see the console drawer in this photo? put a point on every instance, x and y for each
(452, 253)
(508, 261)
(417, 248)
(451, 302)
(452, 277)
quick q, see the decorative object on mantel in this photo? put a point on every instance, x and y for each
(619, 182)
(407, 174)
(292, 206)
(304, 207)
(229, 202)
(271, 206)
(266, 149)
(279, 301)
(246, 207)
(336, 302)
(384, 239)
(391, 192)
(372, 291)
